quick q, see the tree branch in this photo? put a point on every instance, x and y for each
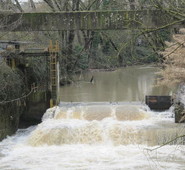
(19, 6)
(32, 5)
(165, 143)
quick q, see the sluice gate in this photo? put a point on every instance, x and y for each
(15, 56)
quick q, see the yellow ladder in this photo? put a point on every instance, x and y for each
(53, 50)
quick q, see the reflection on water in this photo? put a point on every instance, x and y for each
(125, 84)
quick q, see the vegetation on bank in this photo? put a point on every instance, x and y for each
(81, 50)
(16, 83)
(11, 83)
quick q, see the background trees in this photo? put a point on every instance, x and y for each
(81, 50)
(174, 60)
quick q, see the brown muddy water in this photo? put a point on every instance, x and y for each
(125, 84)
(92, 133)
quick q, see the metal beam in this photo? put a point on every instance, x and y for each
(84, 20)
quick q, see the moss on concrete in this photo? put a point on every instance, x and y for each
(9, 118)
(18, 115)
(37, 104)
(82, 20)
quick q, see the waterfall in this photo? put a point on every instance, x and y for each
(102, 124)
(97, 136)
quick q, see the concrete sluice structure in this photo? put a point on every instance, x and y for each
(97, 136)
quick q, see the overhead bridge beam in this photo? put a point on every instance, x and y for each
(84, 20)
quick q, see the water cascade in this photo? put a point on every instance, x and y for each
(97, 136)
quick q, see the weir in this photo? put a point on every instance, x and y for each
(95, 123)
(97, 136)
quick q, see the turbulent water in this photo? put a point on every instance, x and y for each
(101, 135)
(97, 136)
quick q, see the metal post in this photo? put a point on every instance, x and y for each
(54, 71)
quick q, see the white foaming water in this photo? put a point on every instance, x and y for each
(98, 137)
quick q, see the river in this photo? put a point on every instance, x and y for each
(102, 132)
(125, 84)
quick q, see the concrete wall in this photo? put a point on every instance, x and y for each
(9, 118)
(85, 20)
(36, 105)
(22, 115)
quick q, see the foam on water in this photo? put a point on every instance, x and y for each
(97, 137)
(94, 124)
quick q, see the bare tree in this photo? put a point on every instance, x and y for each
(174, 60)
